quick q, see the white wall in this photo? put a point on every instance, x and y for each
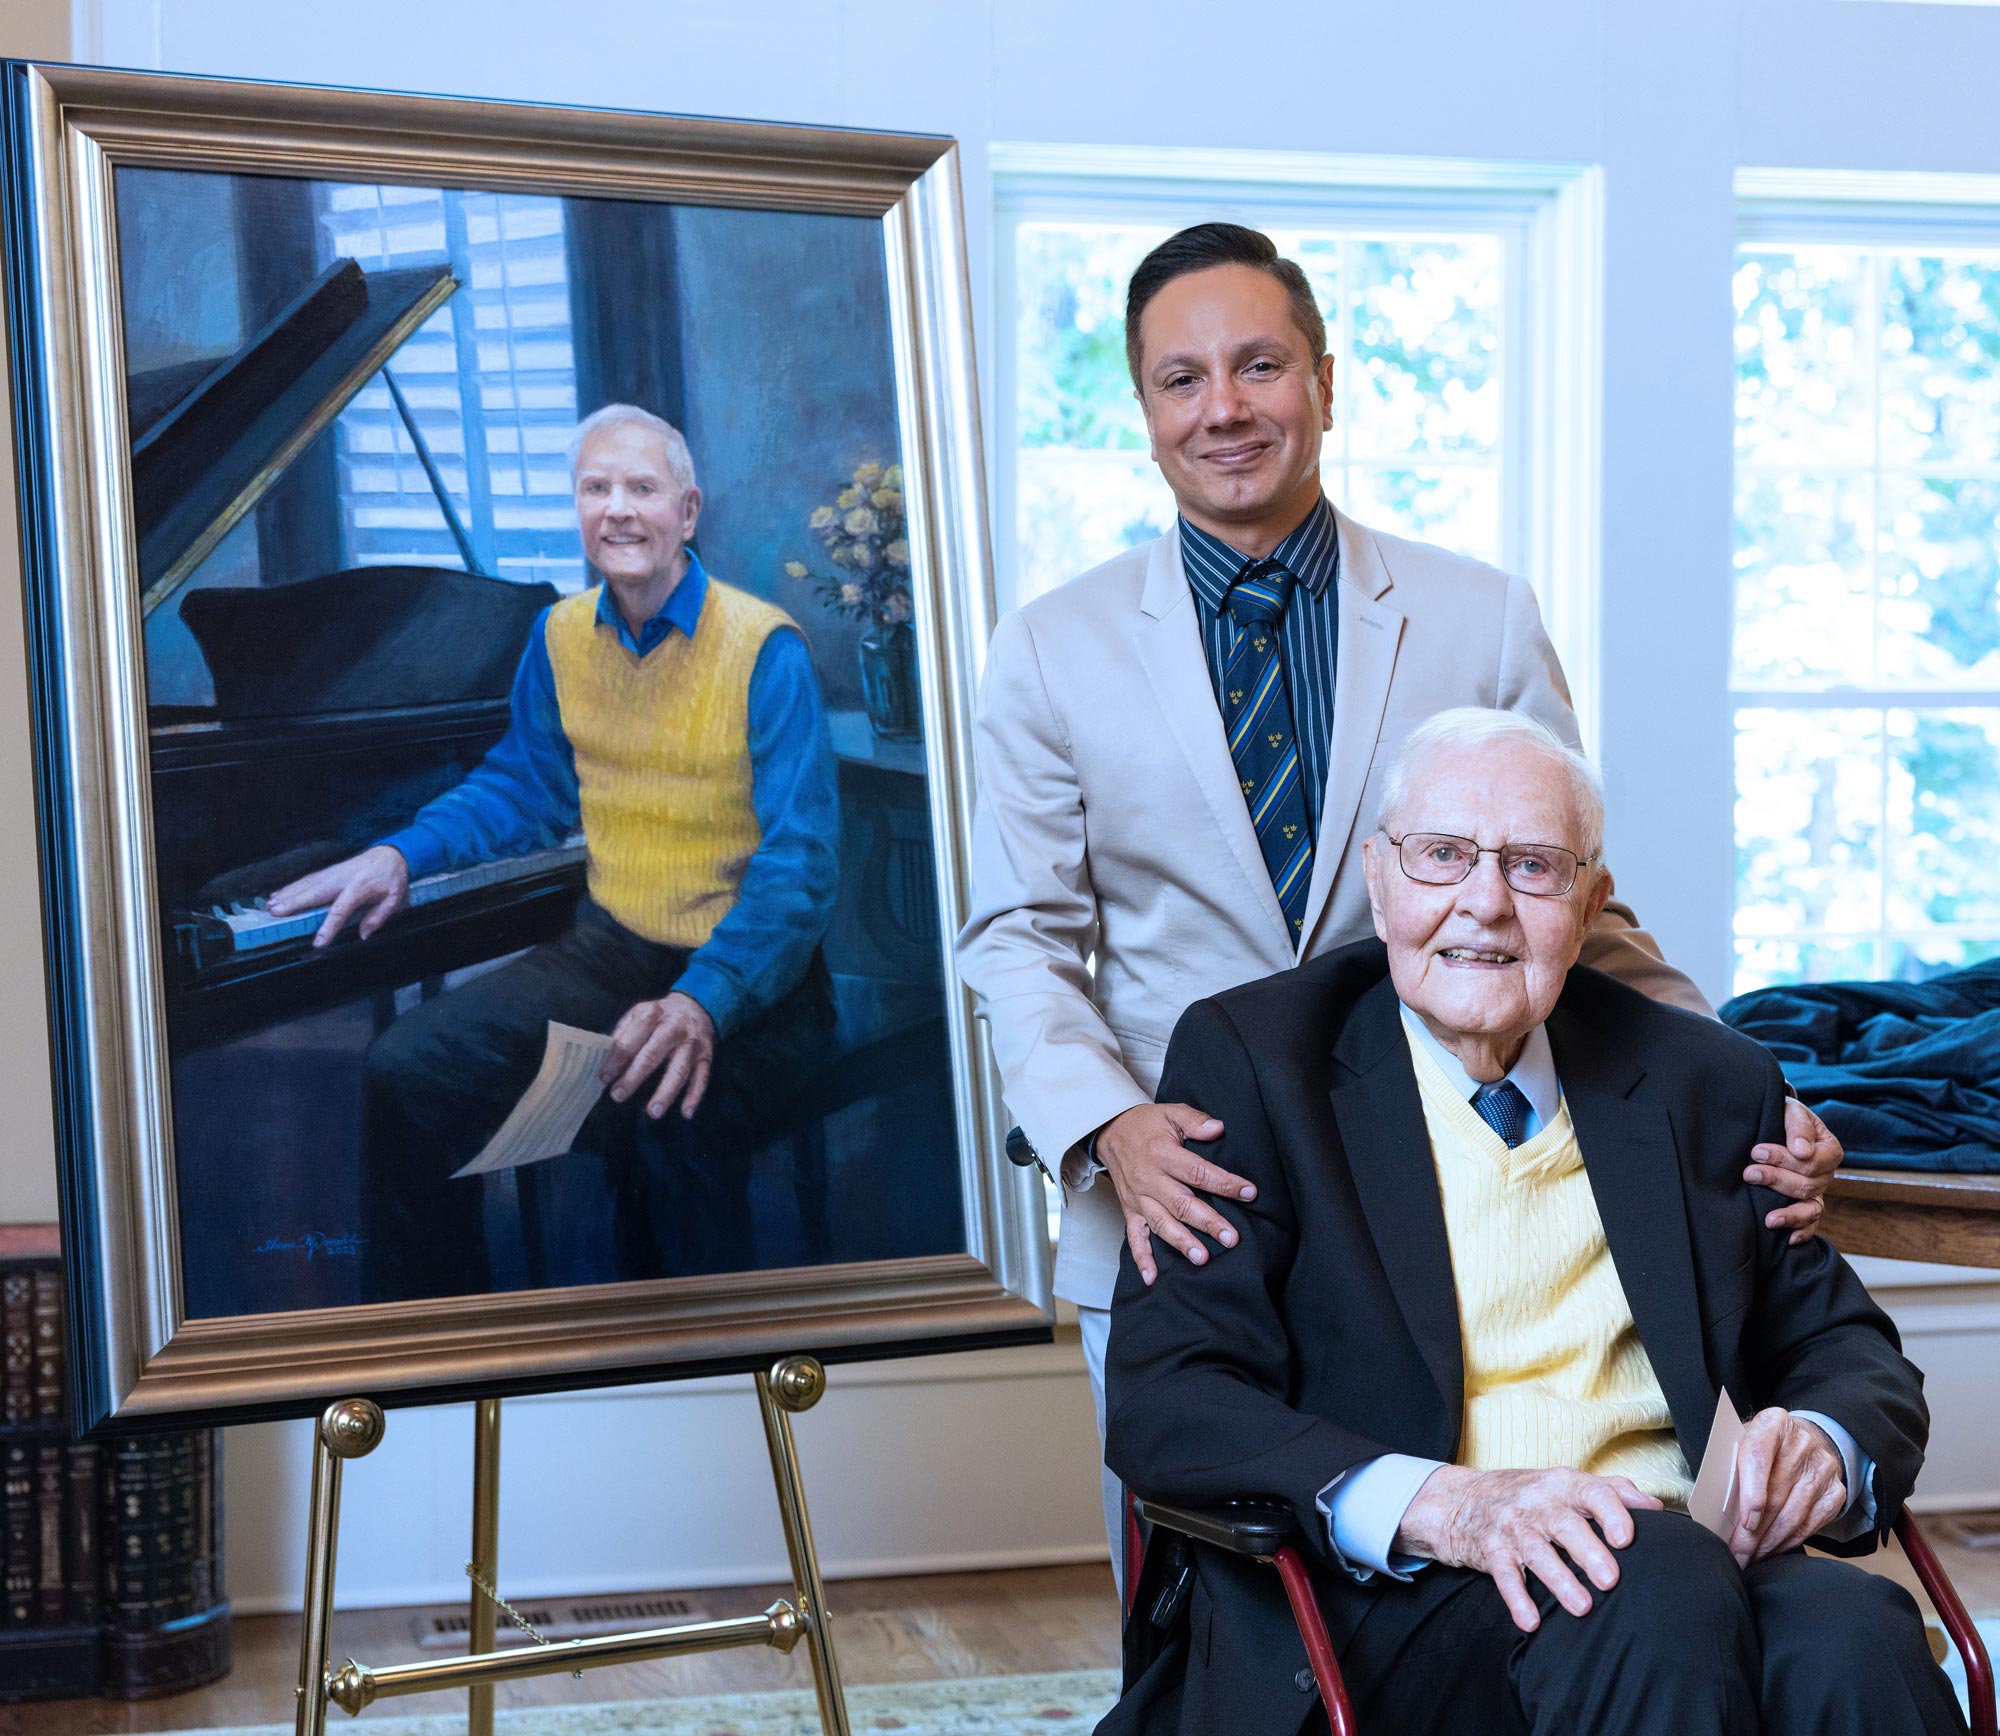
(1671, 100)
(27, 1163)
(977, 1460)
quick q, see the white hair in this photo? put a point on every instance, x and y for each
(1473, 726)
(680, 462)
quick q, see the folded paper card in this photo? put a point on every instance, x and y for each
(1713, 1502)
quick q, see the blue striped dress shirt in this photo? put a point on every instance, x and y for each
(1309, 634)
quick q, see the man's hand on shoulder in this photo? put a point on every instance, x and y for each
(1155, 1175)
(1801, 1169)
(674, 1032)
(1508, 1524)
(373, 886)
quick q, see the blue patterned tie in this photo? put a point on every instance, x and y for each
(1504, 1108)
(1257, 717)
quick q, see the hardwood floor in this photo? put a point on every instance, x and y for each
(1016, 1622)
(1020, 1621)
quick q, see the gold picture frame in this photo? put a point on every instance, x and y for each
(69, 132)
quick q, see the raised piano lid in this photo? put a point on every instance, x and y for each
(199, 468)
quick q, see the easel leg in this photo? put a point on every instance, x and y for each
(795, 1384)
(485, 1555)
(347, 1430)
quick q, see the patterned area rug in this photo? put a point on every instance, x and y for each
(1068, 1704)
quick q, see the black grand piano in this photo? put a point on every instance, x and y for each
(343, 701)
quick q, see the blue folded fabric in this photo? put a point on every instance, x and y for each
(1906, 1074)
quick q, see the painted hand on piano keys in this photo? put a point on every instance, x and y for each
(373, 885)
(227, 932)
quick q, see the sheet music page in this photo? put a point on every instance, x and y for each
(544, 1123)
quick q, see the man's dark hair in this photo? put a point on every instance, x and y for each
(1212, 244)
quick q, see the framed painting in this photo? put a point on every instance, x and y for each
(502, 585)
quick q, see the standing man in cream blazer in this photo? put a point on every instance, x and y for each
(1173, 751)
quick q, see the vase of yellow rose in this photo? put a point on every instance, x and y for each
(862, 532)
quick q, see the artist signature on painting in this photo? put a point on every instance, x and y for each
(312, 1244)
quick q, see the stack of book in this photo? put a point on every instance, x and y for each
(110, 1554)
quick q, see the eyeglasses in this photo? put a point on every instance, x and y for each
(1439, 859)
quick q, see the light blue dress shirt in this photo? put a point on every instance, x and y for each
(1364, 1506)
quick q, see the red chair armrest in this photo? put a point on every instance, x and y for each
(1951, 1612)
(1267, 1531)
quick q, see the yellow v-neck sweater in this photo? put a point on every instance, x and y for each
(662, 748)
(1554, 1371)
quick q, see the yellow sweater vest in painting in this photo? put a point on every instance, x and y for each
(1554, 1370)
(663, 759)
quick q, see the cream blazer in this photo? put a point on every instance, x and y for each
(1115, 875)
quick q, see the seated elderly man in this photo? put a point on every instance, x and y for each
(1498, 1266)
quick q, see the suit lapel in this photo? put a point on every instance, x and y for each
(1167, 634)
(1364, 665)
(1635, 1176)
(1388, 1150)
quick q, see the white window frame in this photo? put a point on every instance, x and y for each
(1858, 208)
(1550, 221)
(501, 526)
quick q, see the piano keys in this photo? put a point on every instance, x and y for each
(219, 935)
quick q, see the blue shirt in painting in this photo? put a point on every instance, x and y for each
(523, 796)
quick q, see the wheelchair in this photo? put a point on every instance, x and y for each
(1268, 1532)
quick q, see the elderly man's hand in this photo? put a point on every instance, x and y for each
(1790, 1485)
(373, 886)
(1508, 1524)
(1801, 1168)
(675, 1032)
(1154, 1173)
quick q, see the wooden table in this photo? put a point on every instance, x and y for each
(1901, 1214)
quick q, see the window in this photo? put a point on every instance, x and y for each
(1447, 389)
(489, 378)
(1866, 666)
(1415, 445)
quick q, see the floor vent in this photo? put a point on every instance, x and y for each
(563, 1618)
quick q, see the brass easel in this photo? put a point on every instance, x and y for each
(353, 1428)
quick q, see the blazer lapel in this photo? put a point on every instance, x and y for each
(1365, 664)
(1388, 1149)
(1635, 1175)
(1168, 638)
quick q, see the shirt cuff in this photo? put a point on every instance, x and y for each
(1857, 1518)
(1365, 1506)
(419, 848)
(1081, 1167)
(712, 992)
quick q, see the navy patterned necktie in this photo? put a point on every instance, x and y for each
(1504, 1108)
(1257, 717)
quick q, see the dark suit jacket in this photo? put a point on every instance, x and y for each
(1330, 1334)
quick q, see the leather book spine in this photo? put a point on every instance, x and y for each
(17, 1344)
(17, 1525)
(184, 1464)
(48, 1327)
(128, 1580)
(208, 1521)
(49, 1528)
(83, 1570)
